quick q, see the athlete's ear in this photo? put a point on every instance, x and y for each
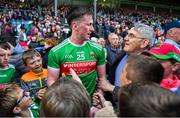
(74, 25)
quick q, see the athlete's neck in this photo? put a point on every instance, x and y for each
(74, 39)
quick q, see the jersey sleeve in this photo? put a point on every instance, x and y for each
(53, 61)
(13, 76)
(12, 73)
(101, 57)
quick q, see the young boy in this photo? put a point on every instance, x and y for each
(34, 81)
(7, 70)
(65, 98)
(16, 102)
(147, 99)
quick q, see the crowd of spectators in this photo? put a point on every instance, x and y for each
(29, 32)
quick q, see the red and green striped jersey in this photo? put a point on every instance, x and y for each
(84, 59)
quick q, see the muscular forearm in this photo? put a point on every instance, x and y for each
(101, 72)
(101, 76)
(53, 75)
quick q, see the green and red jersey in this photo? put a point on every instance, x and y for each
(83, 59)
(7, 75)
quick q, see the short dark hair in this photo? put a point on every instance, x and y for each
(143, 68)
(147, 99)
(6, 37)
(77, 13)
(5, 45)
(65, 98)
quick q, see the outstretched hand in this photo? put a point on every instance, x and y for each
(98, 100)
(74, 75)
(105, 85)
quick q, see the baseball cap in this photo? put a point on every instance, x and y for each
(173, 24)
(164, 51)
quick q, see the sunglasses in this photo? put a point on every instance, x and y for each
(25, 94)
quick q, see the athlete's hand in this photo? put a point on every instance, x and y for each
(105, 85)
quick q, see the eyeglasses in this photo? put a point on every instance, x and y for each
(130, 35)
(25, 94)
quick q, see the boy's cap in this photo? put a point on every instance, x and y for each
(165, 51)
(173, 24)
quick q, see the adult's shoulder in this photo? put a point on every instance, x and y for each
(108, 47)
(94, 45)
(61, 45)
(119, 57)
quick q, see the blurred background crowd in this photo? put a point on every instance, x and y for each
(36, 25)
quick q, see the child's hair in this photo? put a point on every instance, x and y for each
(29, 54)
(51, 41)
(8, 100)
(65, 98)
(5, 46)
(143, 68)
(148, 99)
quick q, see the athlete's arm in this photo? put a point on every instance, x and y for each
(53, 75)
(101, 69)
